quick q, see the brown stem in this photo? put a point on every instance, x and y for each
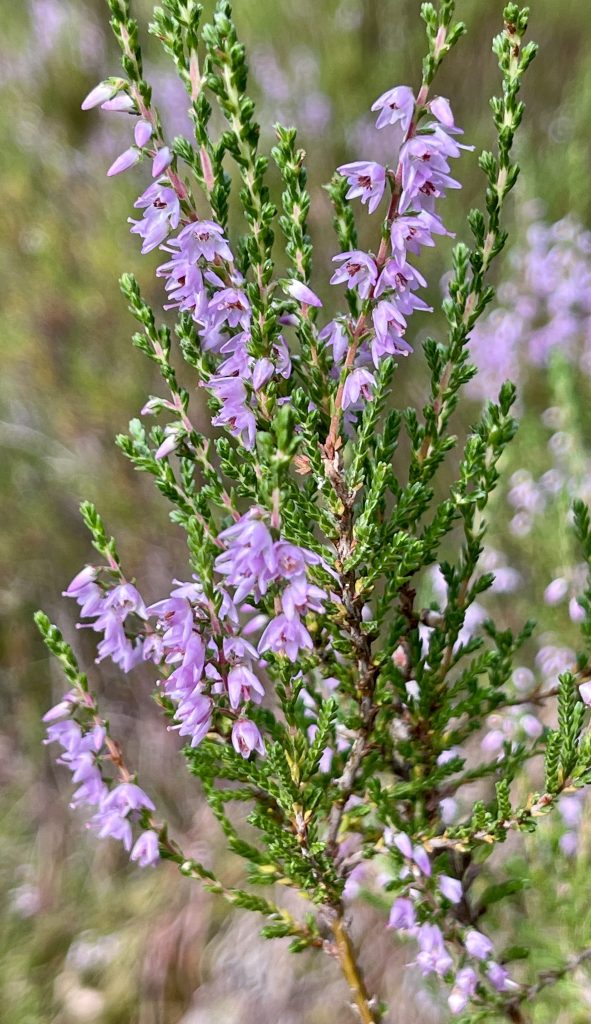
(353, 975)
(346, 783)
(515, 1015)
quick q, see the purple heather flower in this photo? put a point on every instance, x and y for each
(172, 436)
(91, 601)
(153, 648)
(92, 791)
(122, 103)
(230, 306)
(176, 618)
(401, 277)
(193, 713)
(464, 987)
(142, 133)
(236, 649)
(506, 580)
(301, 293)
(585, 693)
(235, 413)
(336, 335)
(576, 612)
(64, 707)
(451, 888)
(81, 581)
(403, 843)
(531, 726)
(554, 660)
(478, 945)
(410, 233)
(124, 161)
(241, 681)
(556, 591)
(494, 741)
(541, 310)
(499, 977)
(358, 270)
(68, 734)
(161, 161)
(81, 754)
(292, 560)
(184, 285)
(113, 825)
(396, 106)
(146, 849)
(422, 861)
(441, 109)
(123, 600)
(101, 92)
(425, 170)
(360, 382)
(433, 956)
(262, 372)
(449, 755)
(367, 180)
(203, 238)
(238, 363)
(249, 562)
(389, 325)
(300, 597)
(402, 914)
(81, 762)
(246, 738)
(285, 636)
(255, 624)
(127, 797)
(282, 358)
(116, 645)
(162, 213)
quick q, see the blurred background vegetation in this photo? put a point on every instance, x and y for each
(84, 938)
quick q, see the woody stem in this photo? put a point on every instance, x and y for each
(353, 975)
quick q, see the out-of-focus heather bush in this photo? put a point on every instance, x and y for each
(68, 382)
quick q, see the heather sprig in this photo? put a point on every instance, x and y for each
(326, 659)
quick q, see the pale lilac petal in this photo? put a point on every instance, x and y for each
(300, 291)
(142, 133)
(124, 161)
(162, 160)
(101, 92)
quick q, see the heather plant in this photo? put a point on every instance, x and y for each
(309, 679)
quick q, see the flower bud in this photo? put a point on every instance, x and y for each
(162, 160)
(142, 133)
(124, 161)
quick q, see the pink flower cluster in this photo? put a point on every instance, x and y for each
(110, 609)
(435, 955)
(204, 650)
(212, 656)
(201, 277)
(388, 282)
(116, 806)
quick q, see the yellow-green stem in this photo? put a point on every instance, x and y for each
(352, 973)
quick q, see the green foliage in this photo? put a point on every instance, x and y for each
(61, 650)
